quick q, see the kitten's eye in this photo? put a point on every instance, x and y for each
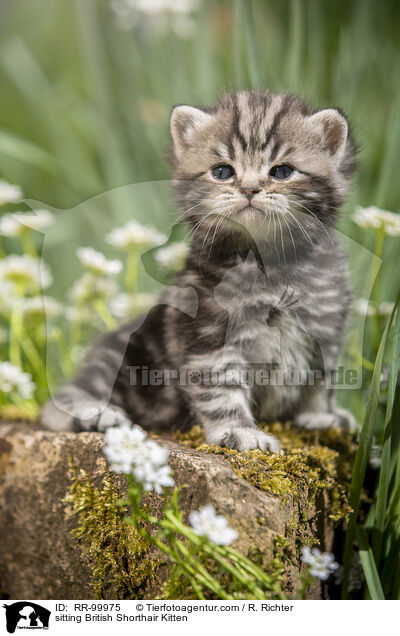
(281, 172)
(223, 172)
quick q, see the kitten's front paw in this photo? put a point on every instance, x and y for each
(94, 418)
(319, 421)
(244, 438)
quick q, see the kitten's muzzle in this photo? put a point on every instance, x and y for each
(251, 208)
(250, 192)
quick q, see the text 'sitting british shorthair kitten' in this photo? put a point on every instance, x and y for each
(260, 177)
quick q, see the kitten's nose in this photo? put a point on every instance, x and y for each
(250, 192)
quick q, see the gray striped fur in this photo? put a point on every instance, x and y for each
(270, 279)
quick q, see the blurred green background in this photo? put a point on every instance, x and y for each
(87, 87)
(86, 91)
(85, 104)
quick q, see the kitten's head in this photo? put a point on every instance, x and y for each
(261, 166)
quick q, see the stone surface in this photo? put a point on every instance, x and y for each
(41, 559)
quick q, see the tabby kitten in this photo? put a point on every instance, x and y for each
(260, 178)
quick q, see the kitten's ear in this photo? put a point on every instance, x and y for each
(185, 120)
(333, 127)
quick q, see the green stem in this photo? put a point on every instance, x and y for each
(65, 361)
(306, 582)
(104, 314)
(75, 333)
(245, 564)
(378, 249)
(15, 336)
(191, 566)
(212, 583)
(241, 577)
(132, 268)
(188, 568)
(28, 244)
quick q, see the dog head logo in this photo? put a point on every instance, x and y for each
(26, 615)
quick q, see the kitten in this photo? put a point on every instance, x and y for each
(260, 178)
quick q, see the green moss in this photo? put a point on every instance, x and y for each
(124, 564)
(310, 465)
(310, 462)
(12, 413)
(121, 560)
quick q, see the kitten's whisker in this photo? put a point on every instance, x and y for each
(185, 212)
(276, 249)
(206, 236)
(269, 221)
(314, 215)
(198, 223)
(291, 236)
(216, 230)
(275, 233)
(297, 221)
(303, 230)
(217, 225)
(282, 241)
(268, 228)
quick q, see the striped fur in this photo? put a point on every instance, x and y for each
(271, 282)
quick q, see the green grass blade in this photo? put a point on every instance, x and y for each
(253, 71)
(296, 48)
(384, 475)
(369, 566)
(361, 460)
(16, 147)
(391, 149)
(395, 463)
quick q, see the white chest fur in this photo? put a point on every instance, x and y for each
(279, 343)
(281, 353)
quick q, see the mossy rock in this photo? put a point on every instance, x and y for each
(78, 545)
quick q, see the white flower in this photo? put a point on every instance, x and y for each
(364, 307)
(32, 306)
(158, 16)
(374, 218)
(152, 453)
(38, 306)
(135, 235)
(9, 193)
(123, 446)
(78, 353)
(153, 477)
(125, 306)
(19, 223)
(97, 263)
(13, 381)
(37, 219)
(129, 451)
(6, 296)
(83, 313)
(385, 308)
(173, 256)
(206, 523)
(10, 226)
(322, 564)
(25, 272)
(90, 288)
(375, 456)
